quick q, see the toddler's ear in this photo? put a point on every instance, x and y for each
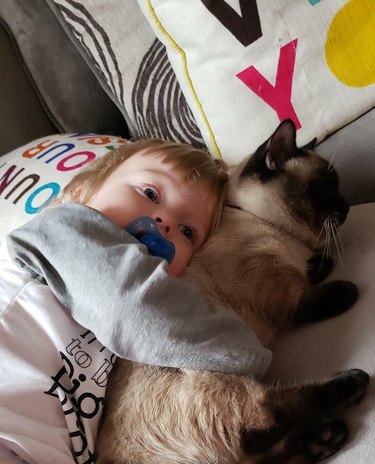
(77, 194)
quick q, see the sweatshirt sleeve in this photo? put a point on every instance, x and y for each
(110, 285)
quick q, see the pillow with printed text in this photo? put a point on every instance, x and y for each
(33, 175)
(245, 65)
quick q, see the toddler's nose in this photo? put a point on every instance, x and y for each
(163, 225)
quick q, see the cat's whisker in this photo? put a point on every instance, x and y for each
(336, 225)
(330, 237)
(338, 237)
(327, 239)
(320, 234)
(323, 229)
(330, 163)
(336, 243)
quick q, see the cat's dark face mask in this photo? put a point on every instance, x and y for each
(307, 183)
(323, 191)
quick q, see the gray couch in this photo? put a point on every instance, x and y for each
(37, 95)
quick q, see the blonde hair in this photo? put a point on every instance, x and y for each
(198, 165)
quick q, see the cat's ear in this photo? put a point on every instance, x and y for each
(281, 145)
(273, 153)
(310, 145)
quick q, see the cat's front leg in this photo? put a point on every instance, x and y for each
(325, 301)
(304, 430)
(318, 268)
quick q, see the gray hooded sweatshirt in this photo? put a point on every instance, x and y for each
(111, 285)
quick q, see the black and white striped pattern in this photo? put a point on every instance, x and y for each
(149, 96)
(96, 43)
(159, 105)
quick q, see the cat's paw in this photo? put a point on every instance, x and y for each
(323, 439)
(318, 268)
(325, 301)
(344, 389)
(339, 296)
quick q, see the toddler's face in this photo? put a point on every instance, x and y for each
(145, 186)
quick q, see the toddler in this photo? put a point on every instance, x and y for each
(77, 290)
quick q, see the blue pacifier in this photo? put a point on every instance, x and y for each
(146, 231)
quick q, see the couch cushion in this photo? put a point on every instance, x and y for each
(64, 84)
(352, 151)
(22, 117)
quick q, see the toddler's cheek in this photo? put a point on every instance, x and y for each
(177, 267)
(173, 271)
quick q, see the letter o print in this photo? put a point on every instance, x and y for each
(82, 358)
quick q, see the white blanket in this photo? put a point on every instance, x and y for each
(347, 341)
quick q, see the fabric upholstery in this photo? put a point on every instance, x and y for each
(63, 82)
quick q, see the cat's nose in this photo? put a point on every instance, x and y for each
(340, 216)
(342, 210)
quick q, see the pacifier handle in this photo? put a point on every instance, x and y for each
(146, 231)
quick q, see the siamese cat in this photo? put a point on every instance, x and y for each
(265, 262)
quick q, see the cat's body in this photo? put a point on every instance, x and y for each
(257, 253)
(264, 263)
(269, 251)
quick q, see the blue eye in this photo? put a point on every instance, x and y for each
(187, 232)
(151, 194)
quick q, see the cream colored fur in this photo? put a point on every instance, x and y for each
(261, 243)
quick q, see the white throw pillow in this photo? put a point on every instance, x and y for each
(34, 174)
(244, 66)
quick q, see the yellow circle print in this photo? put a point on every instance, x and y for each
(350, 44)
